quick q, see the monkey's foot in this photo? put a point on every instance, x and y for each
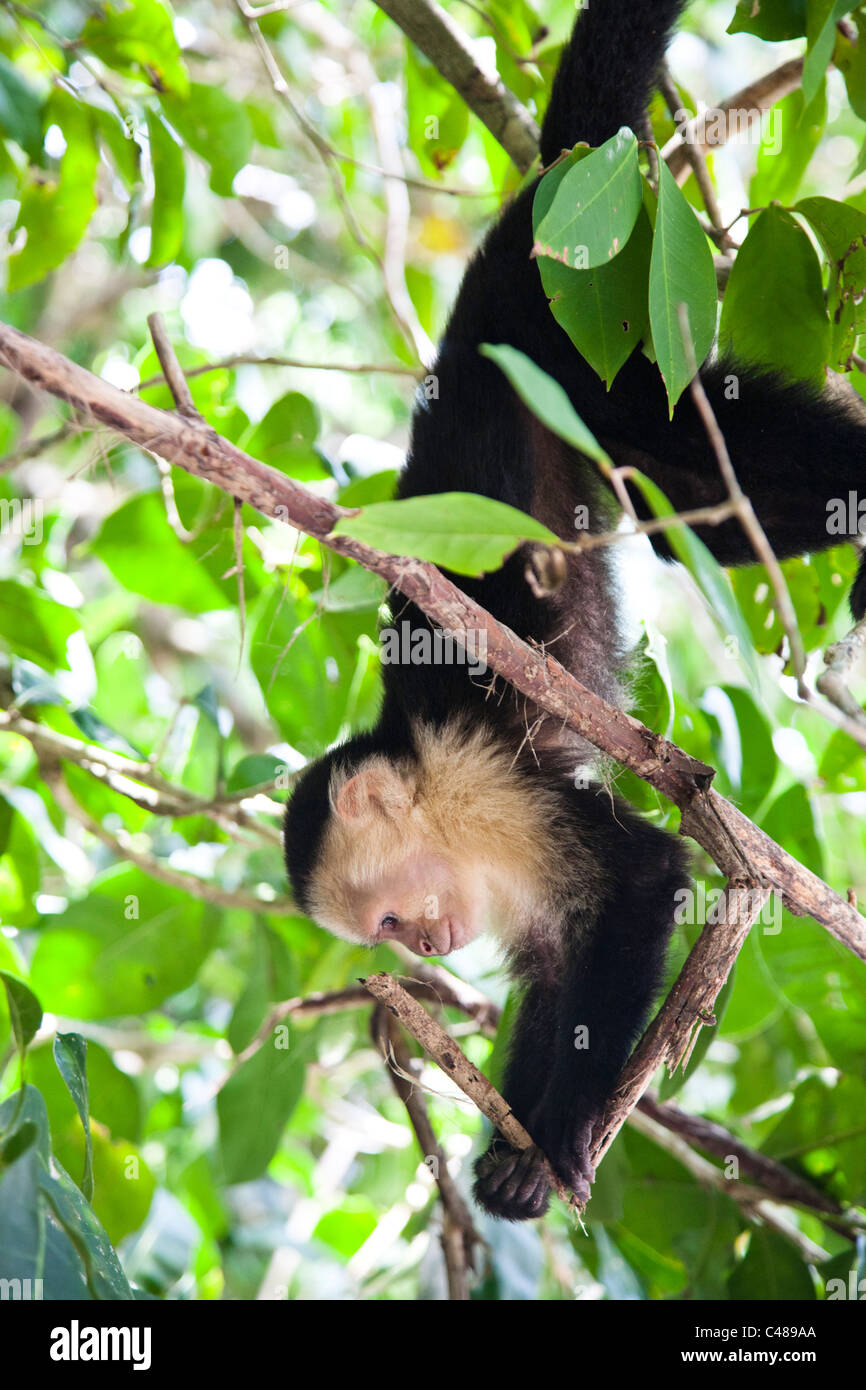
(571, 1162)
(512, 1183)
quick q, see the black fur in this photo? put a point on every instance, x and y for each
(792, 451)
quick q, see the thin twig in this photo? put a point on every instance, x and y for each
(449, 50)
(459, 1236)
(698, 163)
(751, 1200)
(171, 368)
(744, 509)
(243, 359)
(121, 845)
(778, 1182)
(536, 675)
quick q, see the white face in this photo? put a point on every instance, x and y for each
(383, 880)
(421, 903)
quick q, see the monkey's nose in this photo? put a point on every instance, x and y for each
(427, 948)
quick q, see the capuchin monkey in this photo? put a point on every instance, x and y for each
(445, 819)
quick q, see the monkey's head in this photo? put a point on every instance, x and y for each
(370, 860)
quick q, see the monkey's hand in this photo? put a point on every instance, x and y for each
(512, 1183)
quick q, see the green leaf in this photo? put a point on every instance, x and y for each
(438, 118)
(758, 762)
(285, 437)
(70, 1054)
(122, 950)
(254, 1107)
(780, 168)
(462, 531)
(319, 672)
(822, 18)
(774, 313)
(137, 37)
(20, 110)
(55, 212)
(791, 821)
(850, 59)
(33, 626)
(771, 1269)
(841, 230)
(681, 272)
(546, 399)
(169, 179)
(216, 127)
(25, 1011)
(173, 573)
(595, 206)
(771, 19)
(843, 764)
(604, 311)
(124, 151)
(47, 1229)
(254, 770)
(356, 590)
(104, 1273)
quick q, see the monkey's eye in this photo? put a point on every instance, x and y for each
(389, 922)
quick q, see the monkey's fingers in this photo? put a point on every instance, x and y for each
(514, 1186)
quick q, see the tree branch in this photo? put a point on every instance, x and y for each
(731, 839)
(777, 1181)
(449, 50)
(689, 1006)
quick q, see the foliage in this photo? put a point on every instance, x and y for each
(150, 1142)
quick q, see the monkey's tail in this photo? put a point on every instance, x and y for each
(607, 71)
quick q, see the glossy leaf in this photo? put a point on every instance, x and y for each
(70, 1054)
(595, 206)
(791, 131)
(822, 18)
(681, 272)
(137, 37)
(169, 178)
(546, 399)
(773, 313)
(254, 1106)
(25, 1010)
(216, 127)
(461, 531)
(55, 211)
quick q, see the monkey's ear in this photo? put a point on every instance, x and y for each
(379, 789)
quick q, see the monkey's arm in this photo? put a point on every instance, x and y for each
(573, 1037)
